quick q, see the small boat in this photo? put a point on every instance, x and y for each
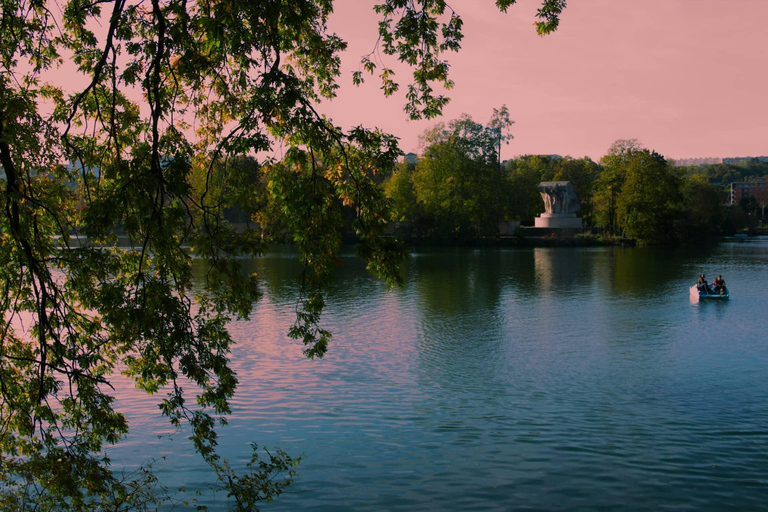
(695, 292)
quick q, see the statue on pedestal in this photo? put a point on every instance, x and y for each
(559, 197)
(561, 204)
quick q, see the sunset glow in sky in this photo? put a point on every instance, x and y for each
(685, 77)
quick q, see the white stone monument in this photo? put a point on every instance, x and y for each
(561, 205)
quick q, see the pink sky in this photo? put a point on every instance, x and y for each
(685, 77)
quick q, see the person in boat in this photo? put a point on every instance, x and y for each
(719, 284)
(702, 285)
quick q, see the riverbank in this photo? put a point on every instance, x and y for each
(526, 237)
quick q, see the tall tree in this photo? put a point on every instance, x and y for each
(399, 189)
(500, 124)
(457, 180)
(650, 206)
(610, 183)
(704, 209)
(172, 89)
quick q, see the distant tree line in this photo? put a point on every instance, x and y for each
(457, 190)
(748, 213)
(724, 173)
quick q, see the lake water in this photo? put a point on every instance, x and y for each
(578, 379)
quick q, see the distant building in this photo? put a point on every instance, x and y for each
(411, 158)
(756, 188)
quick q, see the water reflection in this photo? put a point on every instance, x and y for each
(525, 379)
(562, 270)
(455, 281)
(647, 271)
(456, 294)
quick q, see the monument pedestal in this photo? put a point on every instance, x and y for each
(558, 220)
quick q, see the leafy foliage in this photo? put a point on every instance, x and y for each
(108, 191)
(399, 189)
(611, 181)
(642, 196)
(420, 33)
(704, 209)
(457, 191)
(456, 186)
(719, 174)
(650, 204)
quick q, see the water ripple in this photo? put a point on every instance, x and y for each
(506, 380)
